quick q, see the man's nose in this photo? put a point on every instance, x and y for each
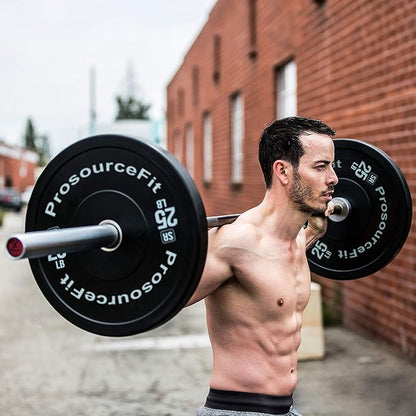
(333, 178)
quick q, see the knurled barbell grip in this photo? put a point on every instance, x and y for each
(220, 220)
(68, 240)
(342, 207)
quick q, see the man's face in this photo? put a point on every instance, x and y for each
(314, 180)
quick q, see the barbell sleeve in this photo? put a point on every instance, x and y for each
(106, 235)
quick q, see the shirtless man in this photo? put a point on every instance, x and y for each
(256, 281)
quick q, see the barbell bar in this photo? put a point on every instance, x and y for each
(107, 235)
(131, 231)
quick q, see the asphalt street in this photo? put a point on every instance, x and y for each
(49, 367)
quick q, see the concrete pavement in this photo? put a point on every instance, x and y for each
(50, 368)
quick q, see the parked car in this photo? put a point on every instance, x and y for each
(11, 199)
(26, 194)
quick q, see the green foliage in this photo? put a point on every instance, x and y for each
(1, 216)
(332, 308)
(30, 136)
(331, 316)
(37, 143)
(132, 109)
(42, 144)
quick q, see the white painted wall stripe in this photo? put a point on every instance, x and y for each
(153, 343)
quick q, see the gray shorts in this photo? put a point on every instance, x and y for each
(205, 411)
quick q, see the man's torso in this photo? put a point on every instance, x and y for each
(254, 319)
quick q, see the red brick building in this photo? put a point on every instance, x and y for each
(17, 167)
(349, 63)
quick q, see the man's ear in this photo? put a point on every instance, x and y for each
(280, 171)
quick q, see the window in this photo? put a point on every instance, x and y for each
(171, 111)
(207, 138)
(195, 85)
(181, 103)
(252, 24)
(177, 145)
(189, 157)
(217, 59)
(286, 100)
(237, 132)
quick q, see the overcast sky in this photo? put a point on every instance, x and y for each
(47, 48)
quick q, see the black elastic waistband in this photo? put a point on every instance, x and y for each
(248, 402)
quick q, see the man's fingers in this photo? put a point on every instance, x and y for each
(329, 209)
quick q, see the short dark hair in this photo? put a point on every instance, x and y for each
(281, 140)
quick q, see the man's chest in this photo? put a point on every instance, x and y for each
(279, 283)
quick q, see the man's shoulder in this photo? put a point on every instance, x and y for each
(247, 233)
(241, 234)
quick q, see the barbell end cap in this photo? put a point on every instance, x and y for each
(15, 248)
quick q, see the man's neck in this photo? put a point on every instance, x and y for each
(279, 215)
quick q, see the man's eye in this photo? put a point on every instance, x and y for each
(321, 167)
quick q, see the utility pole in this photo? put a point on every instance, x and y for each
(93, 112)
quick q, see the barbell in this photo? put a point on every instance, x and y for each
(116, 231)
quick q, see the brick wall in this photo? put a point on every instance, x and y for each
(17, 167)
(356, 70)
